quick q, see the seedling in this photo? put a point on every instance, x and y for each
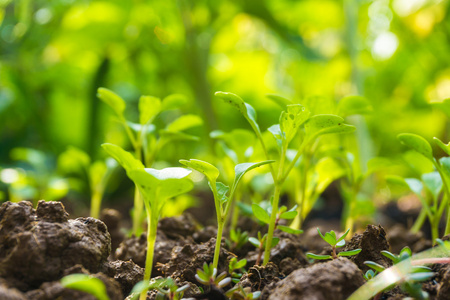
(167, 289)
(236, 266)
(432, 181)
(295, 117)
(334, 242)
(222, 198)
(208, 276)
(143, 136)
(283, 214)
(155, 186)
(87, 284)
(237, 239)
(260, 244)
(240, 293)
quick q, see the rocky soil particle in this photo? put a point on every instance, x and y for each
(262, 278)
(336, 279)
(178, 227)
(36, 246)
(399, 236)
(112, 218)
(126, 273)
(372, 241)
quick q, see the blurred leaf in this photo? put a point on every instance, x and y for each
(87, 284)
(444, 147)
(124, 158)
(354, 105)
(292, 119)
(173, 101)
(210, 171)
(289, 229)
(149, 108)
(417, 143)
(112, 99)
(281, 101)
(260, 213)
(184, 122)
(324, 124)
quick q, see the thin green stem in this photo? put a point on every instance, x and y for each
(218, 244)
(263, 146)
(137, 213)
(446, 196)
(96, 202)
(419, 221)
(152, 225)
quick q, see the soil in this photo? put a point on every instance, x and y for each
(40, 246)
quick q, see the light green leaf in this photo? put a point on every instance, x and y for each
(433, 182)
(375, 266)
(222, 191)
(112, 99)
(316, 256)
(275, 242)
(292, 119)
(415, 185)
(203, 167)
(177, 136)
(87, 284)
(96, 173)
(343, 236)
(239, 140)
(184, 122)
(377, 163)
(149, 108)
(324, 124)
(289, 229)
(354, 105)
(444, 147)
(394, 258)
(244, 108)
(173, 101)
(73, 160)
(423, 276)
(254, 241)
(289, 215)
(275, 130)
(417, 143)
(260, 213)
(445, 162)
(124, 158)
(241, 169)
(281, 101)
(329, 237)
(350, 252)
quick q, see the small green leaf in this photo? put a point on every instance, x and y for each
(324, 124)
(377, 267)
(254, 241)
(281, 101)
(210, 171)
(124, 158)
(340, 244)
(112, 99)
(87, 284)
(244, 108)
(316, 256)
(288, 215)
(177, 136)
(445, 162)
(354, 105)
(423, 276)
(444, 147)
(241, 169)
(275, 130)
(415, 185)
(149, 108)
(260, 213)
(184, 122)
(349, 253)
(275, 242)
(222, 191)
(391, 256)
(418, 269)
(173, 101)
(289, 229)
(416, 143)
(292, 119)
(433, 182)
(344, 235)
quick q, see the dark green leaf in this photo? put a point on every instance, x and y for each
(349, 253)
(321, 257)
(260, 213)
(289, 230)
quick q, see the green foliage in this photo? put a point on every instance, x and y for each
(208, 276)
(87, 284)
(237, 239)
(236, 269)
(335, 242)
(166, 287)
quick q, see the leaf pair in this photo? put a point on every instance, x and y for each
(262, 215)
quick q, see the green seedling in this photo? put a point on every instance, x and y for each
(87, 284)
(370, 274)
(434, 184)
(208, 276)
(166, 287)
(97, 173)
(237, 239)
(411, 282)
(143, 136)
(236, 269)
(155, 186)
(223, 195)
(260, 244)
(295, 117)
(283, 214)
(240, 293)
(334, 242)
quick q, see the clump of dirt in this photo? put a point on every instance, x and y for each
(262, 278)
(399, 236)
(37, 245)
(372, 241)
(178, 227)
(336, 279)
(112, 218)
(126, 273)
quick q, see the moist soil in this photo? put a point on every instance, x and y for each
(40, 246)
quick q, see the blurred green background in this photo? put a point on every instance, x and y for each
(56, 53)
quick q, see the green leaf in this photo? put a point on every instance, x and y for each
(433, 182)
(112, 99)
(292, 119)
(444, 147)
(316, 256)
(375, 266)
(173, 101)
(445, 162)
(260, 213)
(275, 130)
(377, 163)
(210, 171)
(354, 105)
(329, 237)
(87, 284)
(222, 191)
(149, 108)
(184, 122)
(239, 140)
(254, 241)
(289, 215)
(281, 101)
(324, 124)
(289, 229)
(349, 253)
(415, 185)
(343, 236)
(177, 136)
(416, 143)
(124, 158)
(275, 242)
(390, 255)
(241, 169)
(244, 108)
(423, 276)
(162, 184)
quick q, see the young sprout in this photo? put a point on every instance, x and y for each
(294, 118)
(86, 283)
(208, 276)
(334, 242)
(238, 292)
(236, 266)
(260, 244)
(283, 214)
(222, 198)
(237, 239)
(155, 186)
(166, 287)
